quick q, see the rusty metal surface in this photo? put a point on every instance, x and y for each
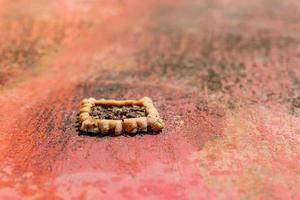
(224, 75)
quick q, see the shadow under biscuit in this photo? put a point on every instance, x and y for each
(91, 134)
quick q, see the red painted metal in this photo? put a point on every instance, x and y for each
(224, 75)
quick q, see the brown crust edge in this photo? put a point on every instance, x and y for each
(152, 122)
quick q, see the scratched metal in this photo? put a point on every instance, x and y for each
(224, 75)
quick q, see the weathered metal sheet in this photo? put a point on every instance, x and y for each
(223, 74)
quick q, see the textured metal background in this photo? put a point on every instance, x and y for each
(224, 75)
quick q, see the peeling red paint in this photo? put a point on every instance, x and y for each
(224, 78)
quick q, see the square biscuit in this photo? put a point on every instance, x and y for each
(89, 123)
